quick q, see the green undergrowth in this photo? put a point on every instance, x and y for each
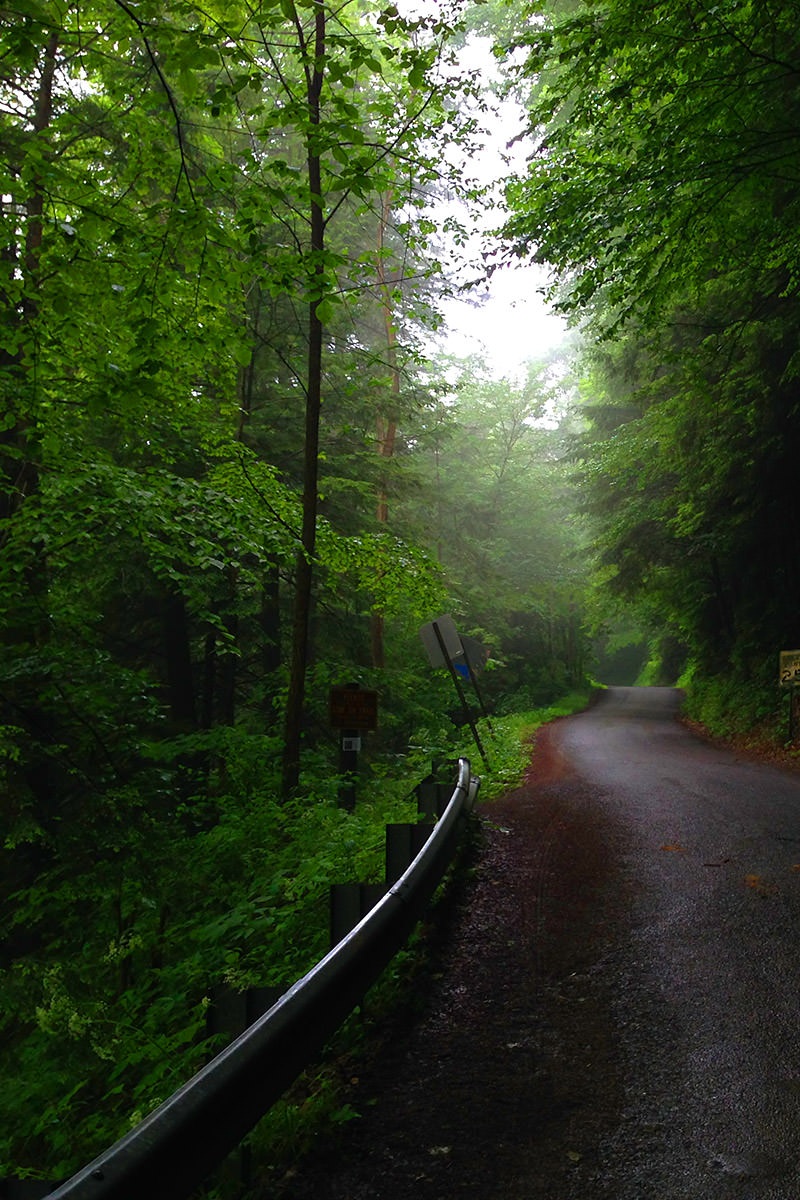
(106, 1013)
(747, 709)
(506, 739)
(309, 1116)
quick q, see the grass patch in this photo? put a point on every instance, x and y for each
(506, 743)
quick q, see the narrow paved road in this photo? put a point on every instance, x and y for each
(616, 1014)
(707, 961)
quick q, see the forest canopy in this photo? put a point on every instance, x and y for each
(663, 191)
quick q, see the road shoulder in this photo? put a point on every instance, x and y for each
(506, 1085)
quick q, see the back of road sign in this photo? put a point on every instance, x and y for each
(449, 635)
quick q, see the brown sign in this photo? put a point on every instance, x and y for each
(353, 708)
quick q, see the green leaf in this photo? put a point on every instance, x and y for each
(326, 309)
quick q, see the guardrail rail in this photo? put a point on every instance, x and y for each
(177, 1146)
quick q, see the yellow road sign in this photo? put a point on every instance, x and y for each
(789, 670)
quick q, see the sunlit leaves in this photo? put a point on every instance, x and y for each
(391, 576)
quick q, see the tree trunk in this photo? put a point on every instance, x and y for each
(180, 684)
(269, 619)
(209, 680)
(386, 422)
(304, 573)
(27, 622)
(19, 474)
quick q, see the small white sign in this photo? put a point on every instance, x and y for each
(351, 743)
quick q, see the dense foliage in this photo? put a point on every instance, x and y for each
(228, 481)
(664, 191)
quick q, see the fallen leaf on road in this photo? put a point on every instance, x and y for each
(681, 849)
(758, 885)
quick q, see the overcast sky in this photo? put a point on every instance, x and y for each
(511, 325)
(506, 320)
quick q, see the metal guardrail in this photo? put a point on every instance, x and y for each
(174, 1149)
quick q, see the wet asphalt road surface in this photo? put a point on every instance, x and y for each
(706, 962)
(614, 1013)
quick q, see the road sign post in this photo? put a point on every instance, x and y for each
(353, 711)
(470, 662)
(789, 677)
(443, 645)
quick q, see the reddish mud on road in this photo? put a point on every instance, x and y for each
(614, 1012)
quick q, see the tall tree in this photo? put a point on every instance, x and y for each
(312, 52)
(666, 149)
(663, 190)
(495, 499)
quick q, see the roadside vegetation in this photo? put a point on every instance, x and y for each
(508, 742)
(234, 474)
(662, 190)
(316, 1107)
(230, 479)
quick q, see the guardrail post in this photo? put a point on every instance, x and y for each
(403, 844)
(231, 1012)
(432, 798)
(349, 903)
